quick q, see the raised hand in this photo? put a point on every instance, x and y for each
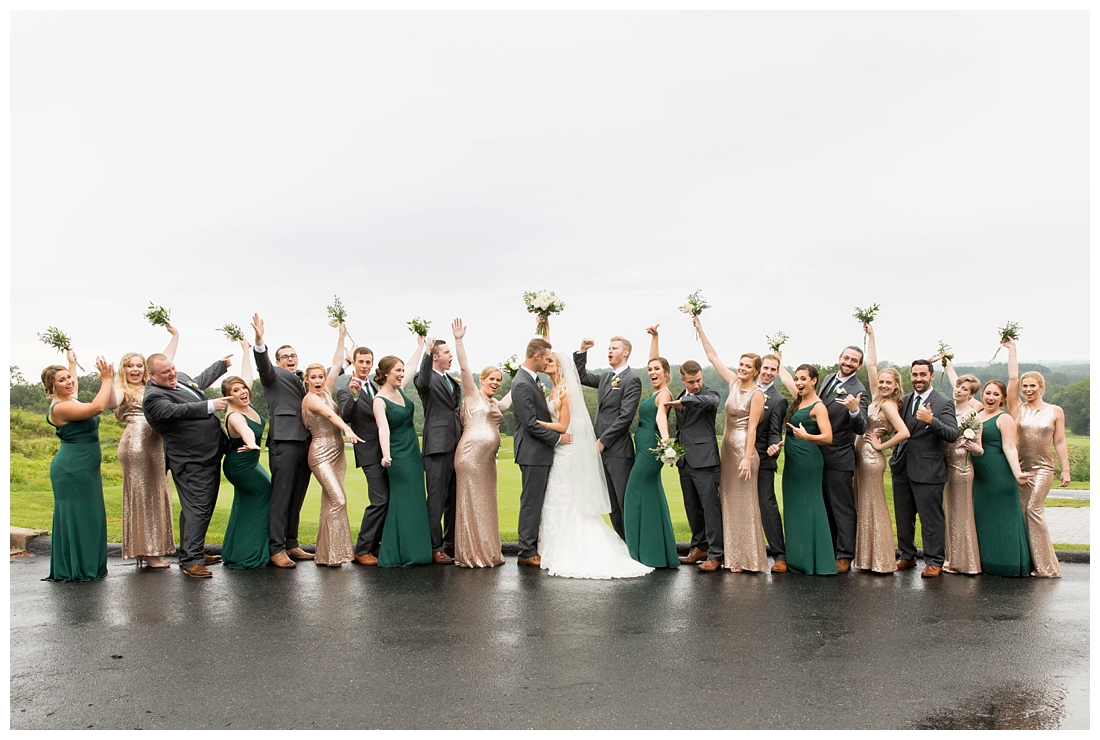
(228, 361)
(258, 327)
(652, 330)
(458, 329)
(105, 369)
(172, 330)
(355, 385)
(587, 343)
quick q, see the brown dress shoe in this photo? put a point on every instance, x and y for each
(442, 557)
(710, 565)
(282, 560)
(695, 555)
(197, 571)
(534, 561)
(931, 571)
(366, 559)
(297, 553)
(211, 559)
(779, 566)
(843, 565)
(906, 564)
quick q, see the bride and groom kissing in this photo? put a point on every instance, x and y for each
(565, 486)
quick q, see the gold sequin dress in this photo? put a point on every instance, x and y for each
(874, 532)
(742, 530)
(961, 553)
(477, 534)
(328, 464)
(1035, 437)
(146, 493)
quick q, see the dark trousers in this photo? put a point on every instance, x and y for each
(374, 516)
(703, 508)
(925, 499)
(197, 487)
(769, 512)
(530, 507)
(439, 472)
(289, 463)
(617, 471)
(840, 505)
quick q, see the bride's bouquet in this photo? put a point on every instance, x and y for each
(667, 453)
(510, 366)
(545, 304)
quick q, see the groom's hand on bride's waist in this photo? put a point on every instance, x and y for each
(565, 438)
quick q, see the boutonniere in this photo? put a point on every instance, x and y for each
(616, 381)
(841, 391)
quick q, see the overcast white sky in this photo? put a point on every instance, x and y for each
(792, 165)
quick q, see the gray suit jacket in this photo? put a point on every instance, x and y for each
(770, 429)
(695, 428)
(283, 391)
(920, 458)
(442, 402)
(534, 443)
(359, 414)
(841, 454)
(617, 405)
(191, 433)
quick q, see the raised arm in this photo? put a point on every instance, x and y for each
(786, 377)
(459, 331)
(580, 360)
(246, 365)
(727, 375)
(654, 342)
(218, 368)
(74, 410)
(173, 343)
(73, 366)
(261, 352)
(426, 361)
(337, 368)
(1014, 402)
(872, 358)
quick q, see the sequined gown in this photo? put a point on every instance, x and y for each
(477, 532)
(961, 554)
(78, 537)
(328, 464)
(874, 528)
(998, 516)
(646, 520)
(1034, 440)
(742, 528)
(806, 531)
(146, 493)
(406, 537)
(246, 537)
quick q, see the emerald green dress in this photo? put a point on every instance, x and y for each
(998, 516)
(78, 546)
(245, 544)
(805, 521)
(406, 538)
(648, 525)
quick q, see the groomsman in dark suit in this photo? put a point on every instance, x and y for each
(176, 407)
(287, 447)
(700, 466)
(846, 400)
(618, 392)
(919, 471)
(356, 403)
(769, 439)
(441, 397)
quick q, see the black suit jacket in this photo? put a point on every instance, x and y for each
(442, 401)
(359, 414)
(191, 433)
(920, 458)
(695, 428)
(770, 429)
(283, 391)
(534, 443)
(617, 405)
(841, 454)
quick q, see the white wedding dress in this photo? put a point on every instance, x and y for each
(574, 541)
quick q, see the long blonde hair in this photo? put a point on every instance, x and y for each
(558, 390)
(897, 395)
(132, 394)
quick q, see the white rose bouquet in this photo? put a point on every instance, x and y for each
(667, 453)
(777, 340)
(969, 427)
(510, 366)
(544, 303)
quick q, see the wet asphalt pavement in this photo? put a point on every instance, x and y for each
(444, 647)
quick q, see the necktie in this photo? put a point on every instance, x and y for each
(916, 405)
(189, 390)
(832, 385)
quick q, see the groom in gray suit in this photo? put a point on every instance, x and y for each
(534, 446)
(619, 392)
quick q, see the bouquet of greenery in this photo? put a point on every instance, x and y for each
(1011, 330)
(945, 353)
(695, 305)
(510, 366)
(545, 303)
(157, 315)
(667, 453)
(419, 326)
(777, 340)
(337, 314)
(232, 332)
(865, 316)
(59, 340)
(969, 426)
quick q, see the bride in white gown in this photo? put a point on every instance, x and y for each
(574, 540)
